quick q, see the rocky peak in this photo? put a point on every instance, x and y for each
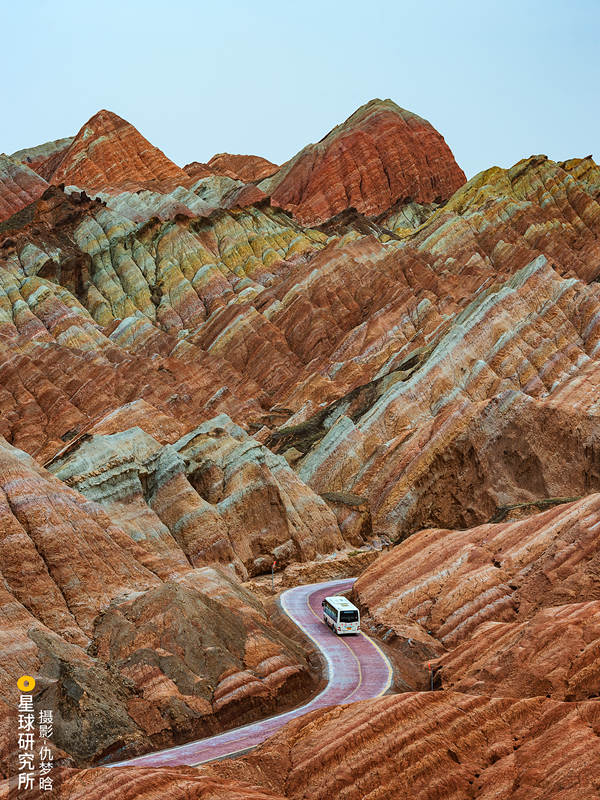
(381, 154)
(107, 152)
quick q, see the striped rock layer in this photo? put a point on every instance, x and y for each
(243, 168)
(214, 495)
(430, 746)
(515, 604)
(469, 345)
(44, 158)
(107, 152)
(180, 783)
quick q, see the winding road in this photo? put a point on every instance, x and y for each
(357, 669)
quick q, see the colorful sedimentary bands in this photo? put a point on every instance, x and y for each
(208, 369)
(216, 494)
(108, 152)
(424, 745)
(431, 745)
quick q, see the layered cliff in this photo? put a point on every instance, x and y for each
(434, 745)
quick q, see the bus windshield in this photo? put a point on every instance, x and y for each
(348, 616)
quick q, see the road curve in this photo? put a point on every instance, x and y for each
(357, 669)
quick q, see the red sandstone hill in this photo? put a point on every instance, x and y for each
(239, 167)
(379, 155)
(107, 152)
(245, 168)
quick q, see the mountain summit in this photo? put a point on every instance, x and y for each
(107, 152)
(379, 155)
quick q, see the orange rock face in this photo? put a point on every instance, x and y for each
(197, 666)
(182, 783)
(381, 154)
(435, 745)
(515, 605)
(430, 745)
(451, 582)
(108, 152)
(555, 653)
(243, 168)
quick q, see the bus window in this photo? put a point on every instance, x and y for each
(348, 616)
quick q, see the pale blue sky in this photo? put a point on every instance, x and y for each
(500, 80)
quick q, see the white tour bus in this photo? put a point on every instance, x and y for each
(341, 615)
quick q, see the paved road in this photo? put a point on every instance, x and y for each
(356, 670)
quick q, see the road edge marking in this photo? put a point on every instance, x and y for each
(387, 662)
